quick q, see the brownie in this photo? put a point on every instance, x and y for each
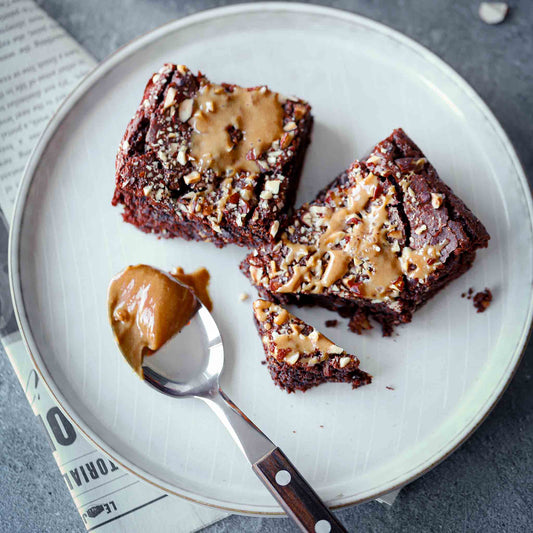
(381, 240)
(482, 300)
(210, 162)
(298, 356)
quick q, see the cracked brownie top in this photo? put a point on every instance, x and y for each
(384, 232)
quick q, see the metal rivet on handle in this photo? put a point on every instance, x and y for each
(283, 478)
(322, 526)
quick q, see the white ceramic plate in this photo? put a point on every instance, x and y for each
(447, 368)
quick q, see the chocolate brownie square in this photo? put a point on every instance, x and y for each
(298, 356)
(211, 162)
(380, 241)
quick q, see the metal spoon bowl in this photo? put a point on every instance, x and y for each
(191, 362)
(189, 365)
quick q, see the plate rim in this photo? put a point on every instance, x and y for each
(129, 49)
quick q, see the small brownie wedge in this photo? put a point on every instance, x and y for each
(298, 356)
(211, 162)
(380, 241)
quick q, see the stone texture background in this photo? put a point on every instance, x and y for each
(487, 485)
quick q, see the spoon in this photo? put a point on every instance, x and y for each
(189, 365)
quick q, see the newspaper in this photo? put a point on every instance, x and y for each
(39, 65)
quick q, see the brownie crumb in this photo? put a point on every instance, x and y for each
(468, 294)
(331, 323)
(482, 300)
(321, 426)
(359, 322)
(390, 388)
(263, 362)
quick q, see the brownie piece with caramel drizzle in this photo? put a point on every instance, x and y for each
(381, 240)
(298, 356)
(211, 162)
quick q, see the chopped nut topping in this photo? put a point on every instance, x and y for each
(290, 126)
(182, 155)
(299, 111)
(286, 139)
(170, 98)
(436, 199)
(246, 194)
(273, 186)
(159, 194)
(421, 229)
(185, 110)
(419, 264)
(193, 177)
(343, 361)
(292, 359)
(419, 163)
(274, 228)
(263, 165)
(334, 349)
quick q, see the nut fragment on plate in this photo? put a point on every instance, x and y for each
(493, 12)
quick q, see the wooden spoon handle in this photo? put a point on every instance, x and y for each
(295, 495)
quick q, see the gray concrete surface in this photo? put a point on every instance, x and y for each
(485, 486)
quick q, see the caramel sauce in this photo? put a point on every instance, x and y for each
(198, 282)
(355, 233)
(232, 128)
(293, 346)
(147, 307)
(419, 264)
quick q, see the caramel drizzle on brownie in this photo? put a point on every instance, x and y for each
(289, 344)
(354, 233)
(419, 264)
(233, 128)
(216, 168)
(350, 246)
